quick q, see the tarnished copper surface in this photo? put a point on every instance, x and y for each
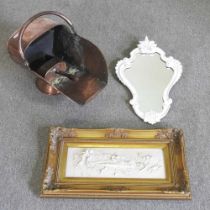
(32, 32)
(80, 80)
(44, 87)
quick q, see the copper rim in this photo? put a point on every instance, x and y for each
(44, 87)
(30, 20)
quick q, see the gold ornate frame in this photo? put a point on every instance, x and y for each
(171, 141)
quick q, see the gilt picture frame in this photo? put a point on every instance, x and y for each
(116, 163)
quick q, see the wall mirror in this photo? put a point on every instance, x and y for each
(149, 75)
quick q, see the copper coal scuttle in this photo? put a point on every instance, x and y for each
(63, 61)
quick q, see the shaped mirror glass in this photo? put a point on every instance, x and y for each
(149, 75)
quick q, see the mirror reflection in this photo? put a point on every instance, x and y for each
(149, 77)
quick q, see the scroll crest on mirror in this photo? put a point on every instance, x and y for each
(148, 47)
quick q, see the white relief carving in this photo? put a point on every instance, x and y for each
(115, 163)
(147, 48)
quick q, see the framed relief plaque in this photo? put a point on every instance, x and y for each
(116, 163)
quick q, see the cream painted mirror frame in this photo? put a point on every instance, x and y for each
(148, 47)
